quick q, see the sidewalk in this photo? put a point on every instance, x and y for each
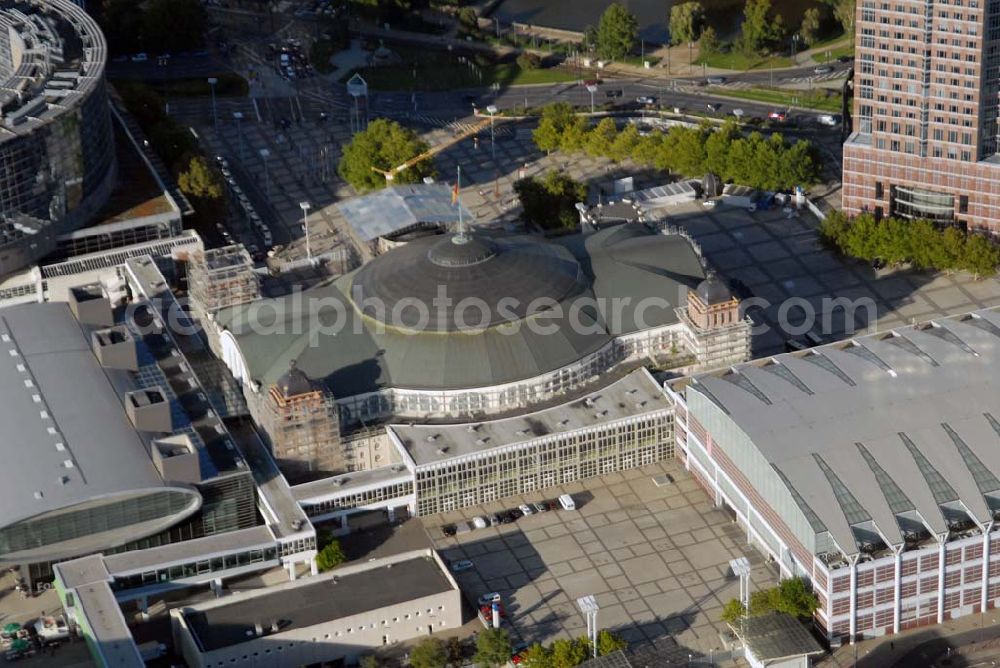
(884, 652)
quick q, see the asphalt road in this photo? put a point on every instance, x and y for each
(459, 103)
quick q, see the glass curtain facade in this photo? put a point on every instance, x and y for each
(545, 463)
(96, 518)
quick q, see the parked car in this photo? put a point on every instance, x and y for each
(488, 599)
(829, 120)
(567, 503)
(526, 509)
(463, 565)
(823, 69)
(516, 512)
(479, 522)
(710, 203)
(540, 507)
(508, 517)
(617, 92)
(449, 530)
(495, 520)
(716, 80)
(646, 99)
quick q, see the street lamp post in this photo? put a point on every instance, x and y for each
(305, 206)
(265, 154)
(492, 110)
(238, 115)
(211, 83)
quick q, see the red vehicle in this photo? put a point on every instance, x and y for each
(487, 611)
(777, 116)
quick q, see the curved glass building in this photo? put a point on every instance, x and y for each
(57, 160)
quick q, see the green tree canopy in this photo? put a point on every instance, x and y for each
(385, 144)
(708, 43)
(566, 653)
(555, 119)
(791, 596)
(845, 13)
(200, 180)
(809, 29)
(599, 140)
(550, 202)
(536, 656)
(686, 20)
(760, 29)
(331, 556)
(493, 647)
(608, 642)
(616, 32)
(468, 19)
(919, 242)
(429, 653)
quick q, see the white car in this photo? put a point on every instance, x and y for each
(526, 509)
(489, 599)
(480, 522)
(710, 203)
(463, 565)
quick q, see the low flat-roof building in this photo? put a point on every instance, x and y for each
(624, 425)
(335, 616)
(870, 466)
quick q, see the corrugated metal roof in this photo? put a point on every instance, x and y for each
(908, 415)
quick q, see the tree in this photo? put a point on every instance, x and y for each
(759, 28)
(981, 256)
(550, 202)
(429, 653)
(536, 656)
(567, 653)
(529, 61)
(845, 11)
(794, 597)
(732, 612)
(385, 144)
(708, 43)
(600, 139)
(616, 32)
(331, 556)
(468, 19)
(625, 143)
(686, 20)
(200, 180)
(455, 651)
(492, 648)
(555, 118)
(809, 29)
(608, 642)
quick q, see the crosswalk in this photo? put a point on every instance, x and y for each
(738, 85)
(455, 126)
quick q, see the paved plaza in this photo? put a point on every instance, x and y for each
(656, 558)
(783, 262)
(778, 257)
